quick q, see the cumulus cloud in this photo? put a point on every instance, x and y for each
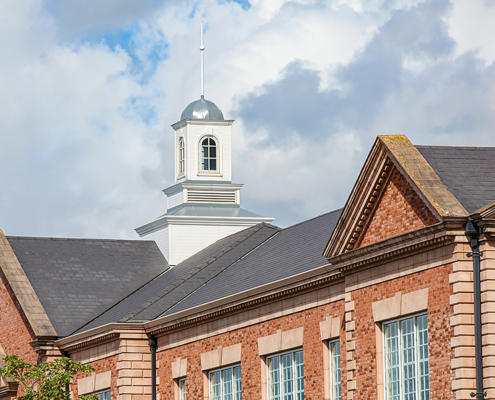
(86, 143)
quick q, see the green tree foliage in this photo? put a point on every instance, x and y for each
(44, 381)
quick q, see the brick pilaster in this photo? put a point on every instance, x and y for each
(462, 322)
(350, 327)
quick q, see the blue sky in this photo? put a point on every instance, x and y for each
(91, 88)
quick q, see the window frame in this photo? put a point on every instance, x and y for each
(400, 350)
(333, 366)
(182, 383)
(233, 381)
(209, 158)
(182, 157)
(103, 392)
(281, 381)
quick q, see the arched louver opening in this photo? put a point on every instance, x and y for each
(182, 157)
(209, 158)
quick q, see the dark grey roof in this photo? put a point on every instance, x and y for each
(170, 287)
(211, 210)
(78, 279)
(202, 109)
(468, 172)
(294, 250)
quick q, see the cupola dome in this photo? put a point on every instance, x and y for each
(202, 109)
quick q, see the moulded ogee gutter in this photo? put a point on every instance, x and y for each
(100, 331)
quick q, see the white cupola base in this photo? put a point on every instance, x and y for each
(189, 228)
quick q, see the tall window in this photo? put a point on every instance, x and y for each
(406, 359)
(209, 154)
(335, 369)
(286, 376)
(225, 384)
(183, 389)
(182, 157)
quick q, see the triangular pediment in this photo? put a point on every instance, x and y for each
(398, 210)
(396, 192)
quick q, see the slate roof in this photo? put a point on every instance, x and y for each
(294, 250)
(77, 279)
(255, 256)
(468, 172)
(170, 287)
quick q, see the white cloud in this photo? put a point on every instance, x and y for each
(86, 143)
(472, 27)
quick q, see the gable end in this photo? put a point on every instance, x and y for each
(399, 210)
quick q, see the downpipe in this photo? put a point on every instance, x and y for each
(473, 231)
(153, 345)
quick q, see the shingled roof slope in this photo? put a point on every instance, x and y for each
(77, 279)
(170, 287)
(294, 250)
(468, 172)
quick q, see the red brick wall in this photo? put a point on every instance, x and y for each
(103, 365)
(440, 334)
(400, 210)
(15, 331)
(439, 331)
(250, 362)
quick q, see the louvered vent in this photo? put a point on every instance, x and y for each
(198, 196)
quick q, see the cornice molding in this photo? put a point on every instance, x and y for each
(214, 122)
(225, 310)
(198, 220)
(99, 340)
(397, 247)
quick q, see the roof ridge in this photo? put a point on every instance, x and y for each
(71, 239)
(423, 146)
(311, 219)
(221, 272)
(253, 229)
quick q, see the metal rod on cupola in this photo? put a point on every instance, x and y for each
(202, 49)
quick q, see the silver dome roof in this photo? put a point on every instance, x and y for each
(202, 109)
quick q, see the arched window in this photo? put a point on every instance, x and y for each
(182, 157)
(209, 154)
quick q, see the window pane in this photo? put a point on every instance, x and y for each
(237, 383)
(299, 375)
(423, 358)
(204, 164)
(215, 386)
(205, 142)
(212, 142)
(213, 164)
(274, 378)
(392, 361)
(408, 359)
(335, 370)
(287, 377)
(108, 395)
(204, 152)
(213, 152)
(183, 389)
(102, 396)
(227, 384)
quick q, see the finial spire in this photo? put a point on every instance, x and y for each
(202, 48)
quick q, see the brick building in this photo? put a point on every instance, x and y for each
(372, 301)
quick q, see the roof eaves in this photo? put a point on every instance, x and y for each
(485, 211)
